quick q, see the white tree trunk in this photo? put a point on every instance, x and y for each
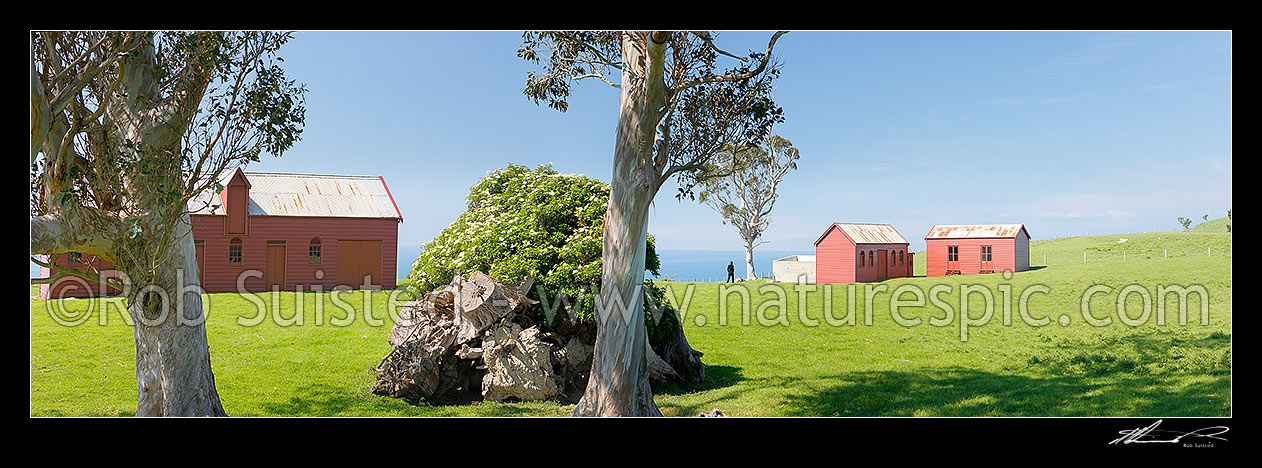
(619, 383)
(173, 371)
(172, 354)
(749, 261)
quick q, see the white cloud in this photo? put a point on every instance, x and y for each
(1220, 167)
(1058, 214)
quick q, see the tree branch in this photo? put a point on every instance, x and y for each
(709, 41)
(85, 229)
(600, 56)
(740, 76)
(601, 76)
(63, 271)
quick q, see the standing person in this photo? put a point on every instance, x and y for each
(731, 272)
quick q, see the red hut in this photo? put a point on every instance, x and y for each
(856, 252)
(978, 248)
(280, 231)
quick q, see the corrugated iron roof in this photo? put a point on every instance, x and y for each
(864, 233)
(943, 231)
(286, 194)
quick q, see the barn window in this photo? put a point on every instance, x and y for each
(313, 251)
(861, 258)
(75, 258)
(871, 258)
(986, 253)
(900, 258)
(953, 253)
(234, 251)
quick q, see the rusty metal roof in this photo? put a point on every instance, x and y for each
(864, 233)
(943, 231)
(286, 194)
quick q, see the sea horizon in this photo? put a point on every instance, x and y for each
(677, 264)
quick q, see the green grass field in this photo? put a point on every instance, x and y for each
(1213, 225)
(777, 365)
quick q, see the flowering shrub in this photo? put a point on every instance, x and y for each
(523, 223)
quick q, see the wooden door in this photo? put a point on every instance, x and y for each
(357, 259)
(953, 257)
(201, 264)
(987, 258)
(882, 264)
(274, 274)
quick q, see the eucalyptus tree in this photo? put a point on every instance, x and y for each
(126, 129)
(678, 108)
(741, 185)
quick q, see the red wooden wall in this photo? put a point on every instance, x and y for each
(893, 268)
(73, 286)
(296, 232)
(837, 261)
(1004, 254)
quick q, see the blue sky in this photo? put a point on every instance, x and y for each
(1068, 132)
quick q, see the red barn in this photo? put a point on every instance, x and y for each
(280, 231)
(979, 248)
(848, 253)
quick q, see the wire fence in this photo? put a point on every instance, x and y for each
(1126, 255)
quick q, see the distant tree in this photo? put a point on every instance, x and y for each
(740, 184)
(677, 108)
(1186, 222)
(126, 128)
(1228, 220)
(1205, 217)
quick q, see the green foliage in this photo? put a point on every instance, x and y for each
(666, 319)
(1185, 222)
(523, 223)
(706, 105)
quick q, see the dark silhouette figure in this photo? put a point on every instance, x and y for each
(731, 272)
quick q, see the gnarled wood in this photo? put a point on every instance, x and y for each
(685, 361)
(518, 364)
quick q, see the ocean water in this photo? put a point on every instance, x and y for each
(711, 265)
(686, 265)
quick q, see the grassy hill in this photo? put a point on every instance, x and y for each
(1213, 225)
(775, 359)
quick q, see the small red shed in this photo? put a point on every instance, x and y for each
(860, 252)
(270, 231)
(976, 248)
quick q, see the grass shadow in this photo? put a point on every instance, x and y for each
(315, 400)
(327, 400)
(970, 392)
(716, 377)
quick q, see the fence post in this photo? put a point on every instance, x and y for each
(1210, 252)
(1167, 253)
(1044, 258)
(1084, 256)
